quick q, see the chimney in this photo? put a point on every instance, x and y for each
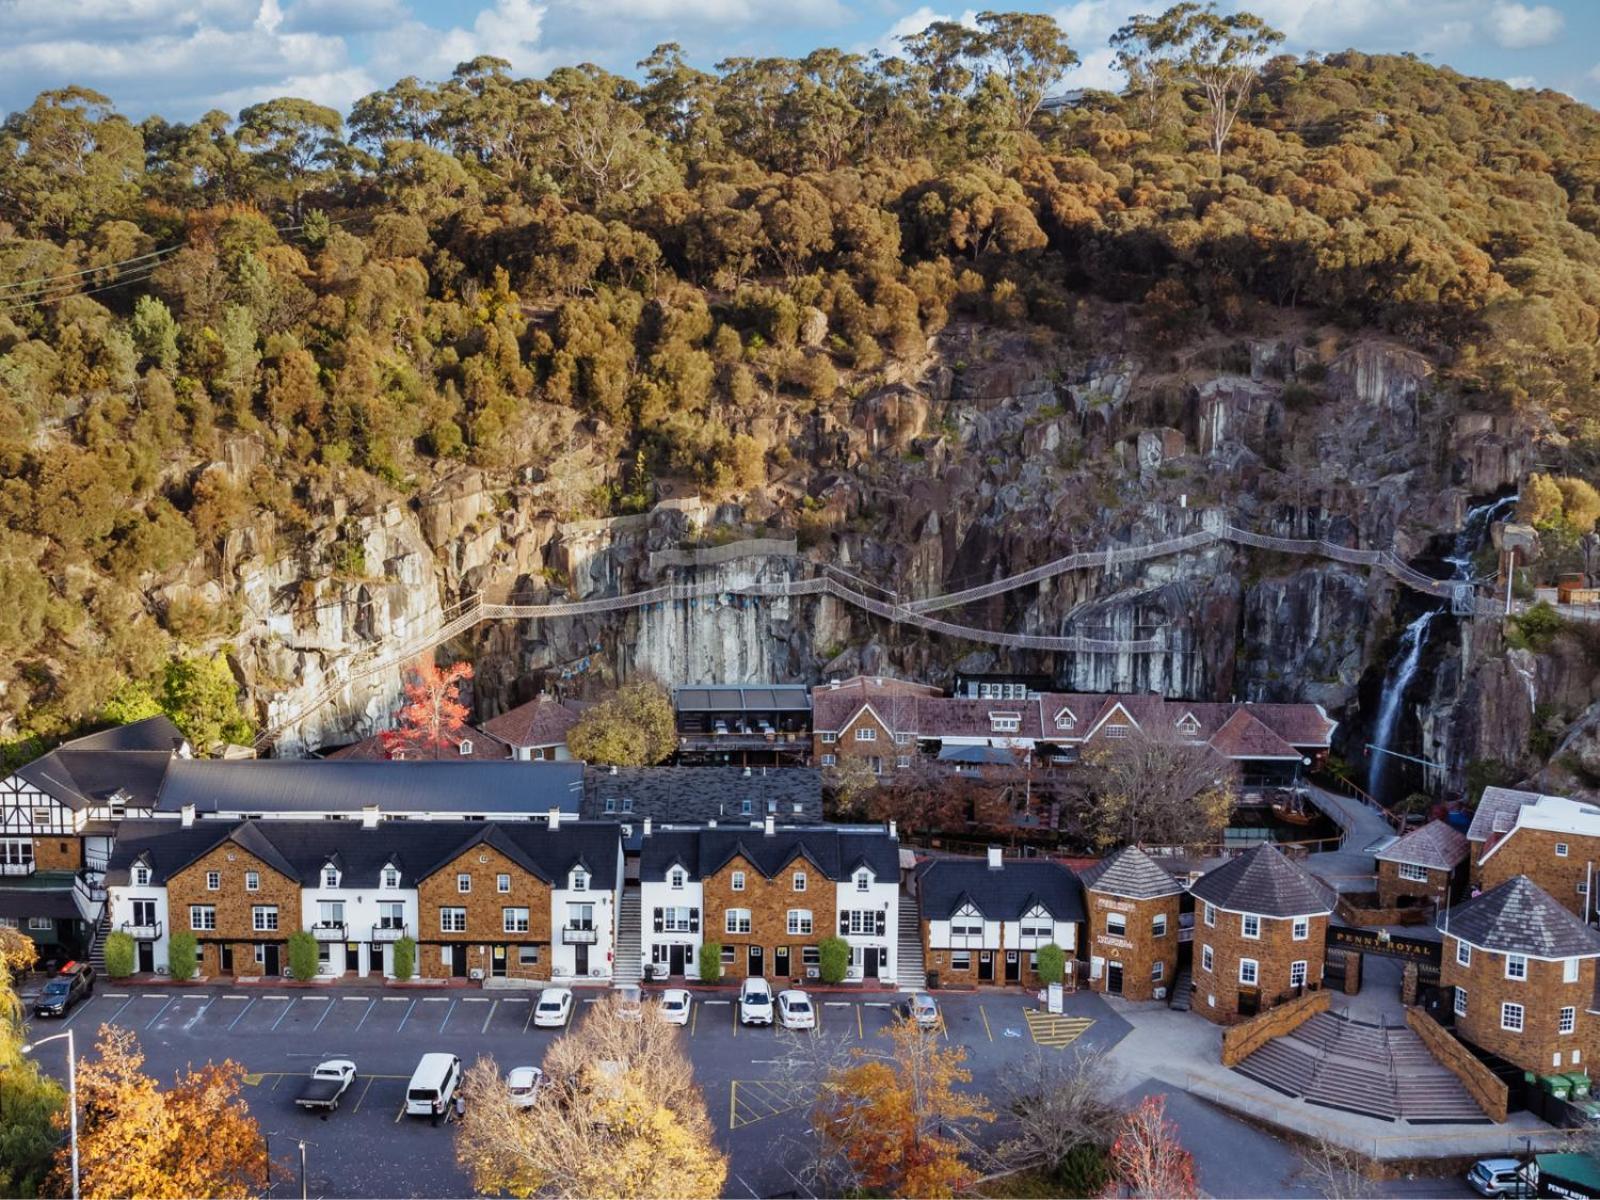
(555, 818)
(772, 825)
(747, 772)
(711, 824)
(647, 826)
(995, 860)
(613, 768)
(894, 831)
(370, 816)
(187, 812)
(833, 685)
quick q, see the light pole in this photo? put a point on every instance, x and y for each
(72, 1093)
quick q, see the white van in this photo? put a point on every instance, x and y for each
(433, 1085)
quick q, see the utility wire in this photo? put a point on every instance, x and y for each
(46, 282)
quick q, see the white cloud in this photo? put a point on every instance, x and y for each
(1519, 26)
(1522, 81)
(511, 29)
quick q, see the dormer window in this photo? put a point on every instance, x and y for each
(1065, 719)
(863, 880)
(580, 880)
(330, 877)
(391, 877)
(1188, 725)
(1005, 722)
(141, 876)
(465, 747)
(677, 878)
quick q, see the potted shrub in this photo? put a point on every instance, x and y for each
(405, 957)
(181, 954)
(710, 962)
(120, 951)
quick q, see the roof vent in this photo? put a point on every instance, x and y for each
(648, 824)
(554, 818)
(772, 825)
(187, 812)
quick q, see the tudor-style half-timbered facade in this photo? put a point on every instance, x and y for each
(985, 920)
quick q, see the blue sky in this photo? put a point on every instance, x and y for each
(182, 57)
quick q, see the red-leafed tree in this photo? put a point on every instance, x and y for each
(1147, 1159)
(432, 719)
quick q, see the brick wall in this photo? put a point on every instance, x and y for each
(1487, 1088)
(1532, 852)
(1392, 889)
(1249, 1036)
(57, 853)
(883, 746)
(234, 905)
(1217, 992)
(1138, 950)
(485, 921)
(1542, 996)
(769, 902)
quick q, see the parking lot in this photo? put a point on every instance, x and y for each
(279, 1034)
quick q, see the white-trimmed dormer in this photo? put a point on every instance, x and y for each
(1188, 724)
(389, 877)
(1005, 722)
(578, 879)
(1065, 719)
(1116, 722)
(330, 875)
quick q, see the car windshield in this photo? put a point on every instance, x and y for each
(756, 998)
(56, 987)
(674, 1002)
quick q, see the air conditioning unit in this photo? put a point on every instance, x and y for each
(853, 974)
(597, 972)
(475, 973)
(1160, 993)
(813, 972)
(161, 970)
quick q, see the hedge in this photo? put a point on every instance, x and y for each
(181, 949)
(120, 952)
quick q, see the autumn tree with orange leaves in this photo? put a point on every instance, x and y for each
(430, 722)
(889, 1121)
(195, 1138)
(1147, 1160)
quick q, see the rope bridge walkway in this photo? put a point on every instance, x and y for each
(832, 581)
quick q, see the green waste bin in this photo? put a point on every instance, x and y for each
(1556, 1085)
(1579, 1080)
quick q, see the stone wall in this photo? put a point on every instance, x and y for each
(769, 902)
(1533, 852)
(57, 853)
(1484, 1086)
(1392, 888)
(235, 907)
(1538, 1046)
(1217, 992)
(1246, 1038)
(1138, 949)
(485, 922)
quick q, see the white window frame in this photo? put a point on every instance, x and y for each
(1460, 1002)
(252, 881)
(502, 883)
(1567, 1022)
(512, 922)
(580, 879)
(213, 881)
(799, 922)
(1569, 970)
(1561, 849)
(1207, 963)
(1297, 972)
(1300, 930)
(863, 880)
(463, 883)
(1250, 927)
(830, 760)
(1517, 967)
(391, 879)
(866, 734)
(1158, 971)
(1158, 925)
(736, 920)
(1117, 924)
(737, 883)
(1412, 873)
(264, 918)
(452, 919)
(676, 878)
(1210, 913)
(141, 876)
(1463, 954)
(829, 739)
(202, 917)
(797, 881)
(1512, 1017)
(966, 923)
(1250, 972)
(330, 877)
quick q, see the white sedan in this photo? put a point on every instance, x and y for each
(554, 1009)
(675, 1005)
(524, 1084)
(795, 1010)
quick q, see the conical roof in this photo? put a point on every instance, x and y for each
(1131, 874)
(1264, 882)
(1520, 917)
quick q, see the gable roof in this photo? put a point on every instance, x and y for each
(1244, 736)
(1000, 894)
(1520, 917)
(152, 733)
(481, 746)
(542, 721)
(693, 794)
(1264, 882)
(1497, 811)
(835, 850)
(90, 778)
(1131, 874)
(1438, 845)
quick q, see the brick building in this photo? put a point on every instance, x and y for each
(1260, 932)
(1131, 909)
(1423, 866)
(1552, 840)
(1521, 971)
(537, 729)
(984, 920)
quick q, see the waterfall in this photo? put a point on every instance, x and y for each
(1395, 683)
(1474, 529)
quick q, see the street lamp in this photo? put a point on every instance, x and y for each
(72, 1093)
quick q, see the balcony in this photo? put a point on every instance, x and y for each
(12, 868)
(143, 933)
(390, 933)
(330, 931)
(579, 935)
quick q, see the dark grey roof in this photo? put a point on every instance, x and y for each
(690, 795)
(418, 848)
(89, 778)
(1132, 874)
(348, 786)
(733, 697)
(23, 903)
(1520, 917)
(1000, 894)
(1438, 845)
(836, 851)
(1264, 882)
(152, 733)
(978, 754)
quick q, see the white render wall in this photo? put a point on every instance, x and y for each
(120, 900)
(360, 915)
(654, 894)
(939, 937)
(881, 896)
(1065, 936)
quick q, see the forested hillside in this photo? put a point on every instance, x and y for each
(488, 270)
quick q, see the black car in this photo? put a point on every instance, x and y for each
(75, 982)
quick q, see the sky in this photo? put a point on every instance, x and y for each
(180, 58)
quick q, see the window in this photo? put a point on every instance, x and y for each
(727, 956)
(810, 956)
(1511, 1017)
(1516, 966)
(580, 916)
(252, 881)
(611, 804)
(1158, 925)
(1250, 925)
(1249, 971)
(738, 881)
(9, 922)
(1301, 929)
(1569, 970)
(677, 878)
(737, 920)
(463, 883)
(829, 760)
(1205, 958)
(452, 920)
(391, 915)
(1005, 722)
(875, 762)
(213, 881)
(866, 735)
(855, 922)
(330, 913)
(391, 877)
(41, 816)
(202, 916)
(863, 881)
(1561, 849)
(502, 883)
(1211, 915)
(799, 920)
(1569, 1020)
(1158, 970)
(1116, 924)
(141, 876)
(1188, 725)
(264, 918)
(902, 760)
(580, 880)
(902, 738)
(799, 881)
(1116, 731)
(961, 960)
(1036, 923)
(1463, 954)
(1461, 1002)
(527, 956)
(514, 920)
(1297, 973)
(967, 923)
(1414, 873)
(679, 920)
(829, 739)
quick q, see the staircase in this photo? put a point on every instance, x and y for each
(97, 943)
(910, 973)
(630, 940)
(1182, 992)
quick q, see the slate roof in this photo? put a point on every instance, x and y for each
(89, 778)
(732, 697)
(1438, 845)
(946, 718)
(481, 746)
(1003, 894)
(894, 700)
(1132, 874)
(1497, 812)
(320, 785)
(542, 721)
(1264, 882)
(299, 849)
(152, 733)
(835, 850)
(983, 755)
(22, 903)
(1520, 917)
(1244, 736)
(691, 795)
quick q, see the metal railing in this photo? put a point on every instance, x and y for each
(143, 933)
(330, 931)
(579, 935)
(11, 868)
(389, 933)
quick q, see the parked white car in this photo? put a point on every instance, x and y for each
(554, 1008)
(524, 1084)
(675, 1005)
(755, 1001)
(630, 1003)
(795, 1009)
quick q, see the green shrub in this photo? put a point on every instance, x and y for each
(834, 955)
(1534, 629)
(302, 954)
(405, 957)
(1052, 963)
(181, 949)
(710, 962)
(119, 955)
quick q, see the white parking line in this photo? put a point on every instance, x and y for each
(876, 1004)
(162, 1009)
(447, 1013)
(716, 1002)
(324, 1015)
(434, 999)
(114, 996)
(474, 999)
(357, 999)
(242, 1012)
(836, 1004)
(371, 1005)
(512, 1000)
(192, 996)
(407, 1017)
(153, 996)
(73, 1015)
(489, 1018)
(397, 999)
(284, 1013)
(233, 997)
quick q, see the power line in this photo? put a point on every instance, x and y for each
(46, 282)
